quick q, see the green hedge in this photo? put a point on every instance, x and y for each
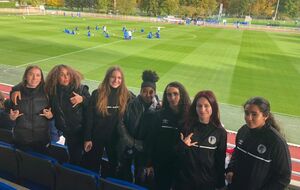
(289, 23)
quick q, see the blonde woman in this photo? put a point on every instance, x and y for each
(107, 105)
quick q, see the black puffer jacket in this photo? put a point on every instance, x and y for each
(5, 122)
(68, 119)
(31, 127)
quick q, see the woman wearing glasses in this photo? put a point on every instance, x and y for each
(175, 105)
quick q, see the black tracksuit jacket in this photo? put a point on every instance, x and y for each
(166, 136)
(202, 167)
(261, 160)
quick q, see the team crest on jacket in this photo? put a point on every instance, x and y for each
(261, 148)
(212, 140)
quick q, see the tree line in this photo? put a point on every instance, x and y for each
(184, 8)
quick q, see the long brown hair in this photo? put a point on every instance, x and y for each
(53, 78)
(104, 91)
(193, 116)
(24, 82)
(2, 99)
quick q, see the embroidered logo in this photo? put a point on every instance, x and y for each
(240, 141)
(165, 121)
(212, 140)
(261, 148)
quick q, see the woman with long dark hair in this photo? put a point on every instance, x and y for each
(175, 106)
(261, 158)
(202, 150)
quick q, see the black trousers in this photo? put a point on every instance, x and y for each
(190, 185)
(164, 176)
(133, 170)
(75, 149)
(92, 160)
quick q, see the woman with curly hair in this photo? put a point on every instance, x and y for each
(69, 100)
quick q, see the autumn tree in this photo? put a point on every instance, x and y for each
(187, 11)
(126, 6)
(55, 3)
(292, 8)
(102, 5)
(170, 7)
(263, 8)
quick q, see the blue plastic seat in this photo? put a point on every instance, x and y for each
(36, 171)
(59, 152)
(117, 184)
(69, 176)
(4, 186)
(8, 162)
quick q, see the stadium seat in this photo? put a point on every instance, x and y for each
(8, 162)
(59, 152)
(4, 186)
(117, 184)
(73, 177)
(6, 135)
(109, 185)
(36, 171)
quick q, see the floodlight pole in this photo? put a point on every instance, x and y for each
(115, 6)
(274, 18)
(220, 11)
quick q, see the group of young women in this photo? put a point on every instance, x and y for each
(172, 144)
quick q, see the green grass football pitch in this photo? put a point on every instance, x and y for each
(235, 64)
